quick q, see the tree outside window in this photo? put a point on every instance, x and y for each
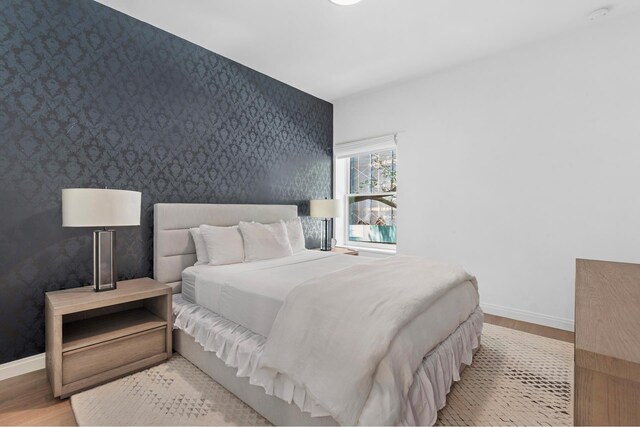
(372, 205)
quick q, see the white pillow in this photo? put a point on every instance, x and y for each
(201, 247)
(224, 244)
(295, 233)
(264, 241)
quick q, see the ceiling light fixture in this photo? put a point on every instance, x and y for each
(344, 2)
(598, 14)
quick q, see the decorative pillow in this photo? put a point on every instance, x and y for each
(295, 233)
(224, 244)
(201, 246)
(264, 241)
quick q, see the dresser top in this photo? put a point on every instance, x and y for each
(85, 298)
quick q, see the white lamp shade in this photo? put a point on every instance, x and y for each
(326, 208)
(97, 207)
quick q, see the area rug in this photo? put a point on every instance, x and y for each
(515, 379)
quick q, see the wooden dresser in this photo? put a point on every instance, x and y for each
(607, 343)
(95, 337)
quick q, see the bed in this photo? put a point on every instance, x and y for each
(224, 317)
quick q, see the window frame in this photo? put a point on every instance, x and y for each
(343, 182)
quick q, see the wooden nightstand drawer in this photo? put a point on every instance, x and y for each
(96, 337)
(95, 359)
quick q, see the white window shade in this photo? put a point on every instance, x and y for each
(363, 146)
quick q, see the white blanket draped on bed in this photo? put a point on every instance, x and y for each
(332, 332)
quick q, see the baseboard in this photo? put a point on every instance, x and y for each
(22, 366)
(528, 316)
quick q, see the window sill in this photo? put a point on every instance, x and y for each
(369, 249)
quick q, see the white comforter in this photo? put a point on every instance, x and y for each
(333, 333)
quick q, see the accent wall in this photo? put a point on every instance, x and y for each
(91, 97)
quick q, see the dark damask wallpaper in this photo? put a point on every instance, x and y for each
(91, 98)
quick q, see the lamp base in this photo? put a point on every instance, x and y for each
(104, 260)
(325, 238)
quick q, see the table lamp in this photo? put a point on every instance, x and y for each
(326, 209)
(97, 207)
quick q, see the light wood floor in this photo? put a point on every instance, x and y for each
(27, 399)
(543, 331)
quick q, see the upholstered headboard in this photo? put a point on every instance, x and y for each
(173, 247)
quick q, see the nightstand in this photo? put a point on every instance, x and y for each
(95, 337)
(345, 251)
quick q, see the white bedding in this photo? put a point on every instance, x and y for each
(252, 293)
(189, 282)
(337, 335)
(242, 349)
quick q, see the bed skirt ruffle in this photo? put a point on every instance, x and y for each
(241, 348)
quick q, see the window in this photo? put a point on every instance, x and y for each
(367, 183)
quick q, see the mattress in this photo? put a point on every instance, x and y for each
(189, 275)
(251, 294)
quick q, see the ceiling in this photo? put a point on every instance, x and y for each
(334, 51)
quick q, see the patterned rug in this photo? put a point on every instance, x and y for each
(516, 379)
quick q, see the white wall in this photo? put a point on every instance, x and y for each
(519, 163)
